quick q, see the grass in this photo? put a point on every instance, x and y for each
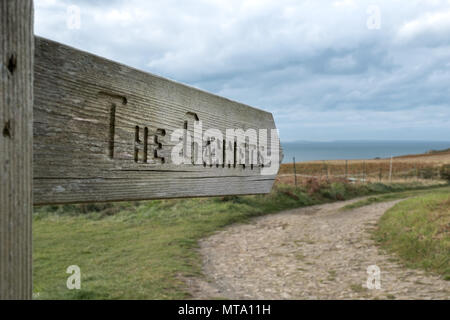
(144, 250)
(417, 230)
(391, 197)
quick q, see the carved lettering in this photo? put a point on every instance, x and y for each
(236, 148)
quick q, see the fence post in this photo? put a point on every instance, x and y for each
(346, 169)
(295, 173)
(390, 171)
(381, 173)
(326, 169)
(16, 143)
(364, 171)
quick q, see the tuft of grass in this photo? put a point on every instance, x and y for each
(358, 288)
(418, 232)
(300, 256)
(332, 275)
(144, 250)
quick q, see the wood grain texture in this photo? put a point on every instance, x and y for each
(102, 132)
(16, 141)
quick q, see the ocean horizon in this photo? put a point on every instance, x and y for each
(356, 149)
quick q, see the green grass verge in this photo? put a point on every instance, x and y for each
(392, 196)
(143, 250)
(418, 231)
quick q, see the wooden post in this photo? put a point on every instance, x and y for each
(16, 142)
(325, 168)
(390, 171)
(364, 171)
(381, 173)
(295, 173)
(346, 169)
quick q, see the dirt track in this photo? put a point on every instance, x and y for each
(309, 253)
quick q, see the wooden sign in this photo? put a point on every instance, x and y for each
(107, 132)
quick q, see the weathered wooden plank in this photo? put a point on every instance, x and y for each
(106, 132)
(16, 141)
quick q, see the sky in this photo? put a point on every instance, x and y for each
(327, 70)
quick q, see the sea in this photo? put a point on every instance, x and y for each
(349, 150)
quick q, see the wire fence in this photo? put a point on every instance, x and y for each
(377, 170)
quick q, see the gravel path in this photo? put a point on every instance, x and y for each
(309, 253)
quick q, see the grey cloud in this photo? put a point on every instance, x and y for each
(295, 58)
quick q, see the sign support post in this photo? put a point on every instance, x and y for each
(16, 145)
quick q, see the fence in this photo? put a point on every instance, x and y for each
(377, 170)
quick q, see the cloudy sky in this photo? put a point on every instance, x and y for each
(327, 70)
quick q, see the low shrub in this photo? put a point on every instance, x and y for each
(427, 173)
(445, 172)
